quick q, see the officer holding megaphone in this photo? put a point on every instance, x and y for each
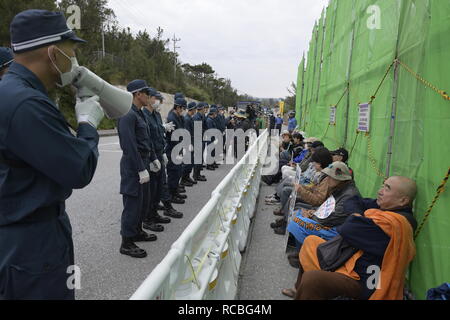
(41, 161)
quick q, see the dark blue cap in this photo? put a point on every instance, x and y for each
(192, 106)
(213, 109)
(159, 96)
(181, 102)
(221, 108)
(6, 57)
(200, 106)
(137, 86)
(153, 92)
(178, 95)
(33, 29)
(214, 106)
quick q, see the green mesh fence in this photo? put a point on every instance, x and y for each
(348, 57)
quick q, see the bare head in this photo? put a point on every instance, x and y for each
(396, 193)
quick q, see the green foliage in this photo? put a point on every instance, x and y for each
(126, 56)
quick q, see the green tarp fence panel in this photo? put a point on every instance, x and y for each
(348, 48)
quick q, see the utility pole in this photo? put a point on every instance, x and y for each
(103, 41)
(175, 40)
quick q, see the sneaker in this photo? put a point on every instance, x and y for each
(272, 201)
(280, 230)
(278, 223)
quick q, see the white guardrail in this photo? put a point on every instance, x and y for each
(203, 264)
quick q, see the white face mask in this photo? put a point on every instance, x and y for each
(156, 105)
(66, 77)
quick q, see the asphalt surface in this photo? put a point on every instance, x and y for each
(95, 213)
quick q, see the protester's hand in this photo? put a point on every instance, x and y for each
(144, 177)
(89, 111)
(307, 213)
(155, 166)
(165, 159)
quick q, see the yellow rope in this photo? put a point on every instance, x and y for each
(372, 160)
(442, 93)
(440, 190)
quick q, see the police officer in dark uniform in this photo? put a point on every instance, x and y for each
(189, 126)
(211, 123)
(200, 117)
(167, 207)
(242, 122)
(175, 171)
(41, 162)
(137, 155)
(157, 178)
(6, 58)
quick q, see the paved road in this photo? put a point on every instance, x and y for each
(95, 213)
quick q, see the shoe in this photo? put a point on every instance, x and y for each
(266, 180)
(280, 231)
(278, 212)
(153, 227)
(185, 183)
(177, 200)
(181, 189)
(272, 201)
(181, 196)
(216, 165)
(294, 262)
(159, 207)
(144, 237)
(289, 293)
(270, 197)
(200, 178)
(159, 219)
(210, 168)
(173, 213)
(129, 248)
(278, 223)
(189, 179)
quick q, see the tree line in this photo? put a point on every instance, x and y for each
(127, 56)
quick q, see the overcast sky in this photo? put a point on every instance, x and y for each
(257, 44)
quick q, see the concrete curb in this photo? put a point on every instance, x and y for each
(107, 133)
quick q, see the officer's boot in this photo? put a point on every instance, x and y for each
(129, 248)
(185, 183)
(181, 189)
(210, 167)
(170, 211)
(175, 199)
(189, 179)
(197, 175)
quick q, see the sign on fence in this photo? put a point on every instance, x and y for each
(364, 117)
(333, 115)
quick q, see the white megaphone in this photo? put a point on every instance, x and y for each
(115, 102)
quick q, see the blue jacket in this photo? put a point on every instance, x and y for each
(179, 124)
(138, 151)
(157, 133)
(34, 132)
(189, 126)
(42, 161)
(292, 124)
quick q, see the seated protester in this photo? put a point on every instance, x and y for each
(304, 162)
(285, 157)
(286, 142)
(379, 237)
(341, 155)
(322, 159)
(304, 157)
(331, 214)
